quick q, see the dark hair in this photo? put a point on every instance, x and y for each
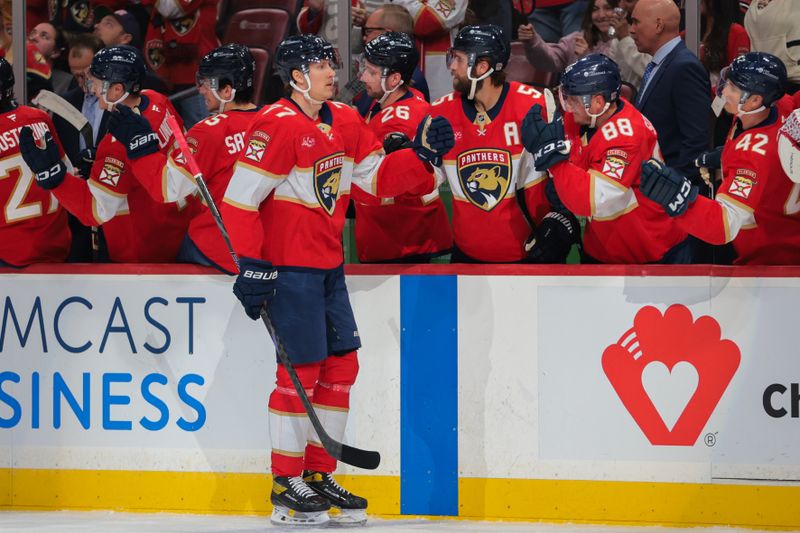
(715, 45)
(89, 41)
(498, 77)
(396, 18)
(590, 33)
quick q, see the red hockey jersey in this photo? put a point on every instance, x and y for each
(215, 143)
(601, 181)
(757, 206)
(137, 229)
(34, 226)
(487, 168)
(391, 228)
(288, 195)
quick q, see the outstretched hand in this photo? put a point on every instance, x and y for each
(666, 187)
(46, 164)
(544, 140)
(433, 140)
(133, 131)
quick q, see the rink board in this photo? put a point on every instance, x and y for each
(506, 392)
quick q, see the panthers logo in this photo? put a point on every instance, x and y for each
(327, 180)
(484, 175)
(155, 53)
(183, 25)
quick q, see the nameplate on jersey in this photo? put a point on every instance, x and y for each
(484, 175)
(257, 146)
(112, 170)
(743, 183)
(327, 177)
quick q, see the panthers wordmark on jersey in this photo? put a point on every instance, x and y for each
(487, 168)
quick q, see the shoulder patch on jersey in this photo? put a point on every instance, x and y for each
(743, 182)
(112, 170)
(327, 177)
(615, 163)
(445, 7)
(484, 175)
(257, 145)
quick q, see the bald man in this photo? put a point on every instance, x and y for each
(675, 93)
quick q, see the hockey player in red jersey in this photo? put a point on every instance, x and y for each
(285, 209)
(405, 228)
(34, 226)
(757, 206)
(137, 229)
(596, 167)
(497, 194)
(225, 80)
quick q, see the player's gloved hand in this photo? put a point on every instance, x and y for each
(255, 285)
(665, 186)
(789, 146)
(46, 164)
(711, 159)
(85, 162)
(544, 140)
(133, 131)
(433, 140)
(396, 141)
(553, 238)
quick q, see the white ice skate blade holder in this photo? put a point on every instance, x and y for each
(285, 517)
(347, 517)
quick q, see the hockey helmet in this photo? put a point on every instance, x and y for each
(393, 52)
(119, 64)
(6, 81)
(299, 51)
(757, 73)
(592, 74)
(485, 40)
(230, 64)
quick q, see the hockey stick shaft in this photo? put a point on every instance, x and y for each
(339, 451)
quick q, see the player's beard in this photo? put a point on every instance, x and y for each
(463, 85)
(376, 94)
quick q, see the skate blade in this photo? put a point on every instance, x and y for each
(285, 517)
(347, 517)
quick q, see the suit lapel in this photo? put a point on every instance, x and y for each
(662, 68)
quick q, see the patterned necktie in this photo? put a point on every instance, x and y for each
(648, 71)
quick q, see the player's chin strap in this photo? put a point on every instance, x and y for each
(741, 112)
(306, 92)
(474, 86)
(587, 104)
(110, 105)
(222, 101)
(387, 92)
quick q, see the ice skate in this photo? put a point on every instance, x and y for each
(294, 504)
(347, 509)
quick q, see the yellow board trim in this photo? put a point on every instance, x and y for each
(606, 502)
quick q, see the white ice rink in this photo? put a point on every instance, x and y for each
(111, 522)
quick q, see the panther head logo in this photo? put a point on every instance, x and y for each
(485, 176)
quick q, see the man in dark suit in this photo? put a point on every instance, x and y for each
(675, 94)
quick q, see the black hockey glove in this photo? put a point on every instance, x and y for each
(46, 164)
(667, 187)
(433, 140)
(85, 162)
(255, 285)
(544, 140)
(711, 160)
(133, 131)
(553, 238)
(396, 141)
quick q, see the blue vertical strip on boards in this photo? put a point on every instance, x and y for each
(428, 395)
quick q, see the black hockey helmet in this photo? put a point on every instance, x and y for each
(299, 51)
(6, 81)
(485, 40)
(230, 64)
(393, 52)
(119, 64)
(592, 74)
(758, 73)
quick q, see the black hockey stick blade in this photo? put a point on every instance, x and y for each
(341, 452)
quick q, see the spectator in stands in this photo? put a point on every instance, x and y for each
(436, 23)
(591, 38)
(774, 27)
(50, 42)
(553, 19)
(319, 17)
(623, 50)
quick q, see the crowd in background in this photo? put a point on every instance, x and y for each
(548, 35)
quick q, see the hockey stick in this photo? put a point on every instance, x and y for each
(339, 451)
(52, 102)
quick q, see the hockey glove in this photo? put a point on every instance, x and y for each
(553, 238)
(667, 187)
(433, 140)
(46, 164)
(396, 141)
(255, 285)
(133, 131)
(711, 160)
(85, 162)
(544, 140)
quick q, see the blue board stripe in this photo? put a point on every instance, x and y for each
(428, 395)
